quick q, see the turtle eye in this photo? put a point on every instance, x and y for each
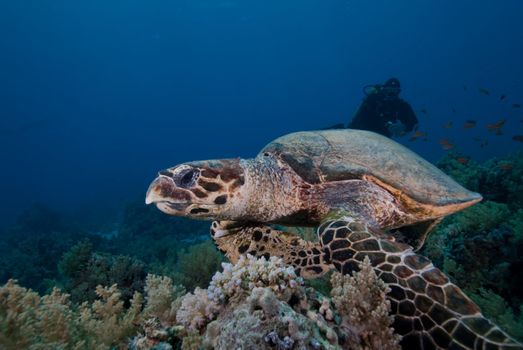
(187, 178)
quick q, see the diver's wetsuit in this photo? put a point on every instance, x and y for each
(376, 110)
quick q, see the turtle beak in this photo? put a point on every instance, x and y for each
(158, 188)
(164, 190)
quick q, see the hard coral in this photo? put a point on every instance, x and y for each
(197, 310)
(260, 304)
(263, 321)
(248, 273)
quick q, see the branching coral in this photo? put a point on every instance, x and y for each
(263, 321)
(28, 321)
(162, 299)
(197, 310)
(260, 304)
(106, 317)
(360, 300)
(248, 273)
(255, 304)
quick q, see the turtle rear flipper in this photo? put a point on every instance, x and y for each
(430, 311)
(260, 240)
(416, 234)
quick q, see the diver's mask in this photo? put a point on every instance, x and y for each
(390, 92)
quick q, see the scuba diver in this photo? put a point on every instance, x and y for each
(382, 111)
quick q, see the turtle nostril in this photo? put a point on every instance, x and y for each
(165, 173)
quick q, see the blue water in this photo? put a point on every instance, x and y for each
(96, 96)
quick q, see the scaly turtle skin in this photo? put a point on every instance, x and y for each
(368, 195)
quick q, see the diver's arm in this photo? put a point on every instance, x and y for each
(407, 116)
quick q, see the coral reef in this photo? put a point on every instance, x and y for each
(28, 321)
(31, 249)
(497, 179)
(194, 266)
(82, 270)
(263, 321)
(197, 310)
(498, 309)
(262, 304)
(44, 250)
(163, 299)
(481, 248)
(255, 304)
(149, 235)
(248, 273)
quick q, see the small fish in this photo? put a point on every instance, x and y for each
(465, 88)
(477, 139)
(497, 126)
(454, 110)
(469, 124)
(446, 144)
(518, 138)
(417, 135)
(505, 166)
(463, 160)
(516, 105)
(502, 97)
(484, 144)
(424, 111)
(447, 125)
(484, 91)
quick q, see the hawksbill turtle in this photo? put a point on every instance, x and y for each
(367, 195)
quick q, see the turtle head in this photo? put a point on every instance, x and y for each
(201, 189)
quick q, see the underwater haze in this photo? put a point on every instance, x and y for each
(101, 99)
(97, 96)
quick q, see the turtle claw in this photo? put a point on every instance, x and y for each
(234, 240)
(224, 228)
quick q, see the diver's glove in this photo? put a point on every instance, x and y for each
(396, 128)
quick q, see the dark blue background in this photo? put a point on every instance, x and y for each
(98, 95)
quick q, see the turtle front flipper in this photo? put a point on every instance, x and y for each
(234, 239)
(430, 311)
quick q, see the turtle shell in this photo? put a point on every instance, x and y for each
(335, 155)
